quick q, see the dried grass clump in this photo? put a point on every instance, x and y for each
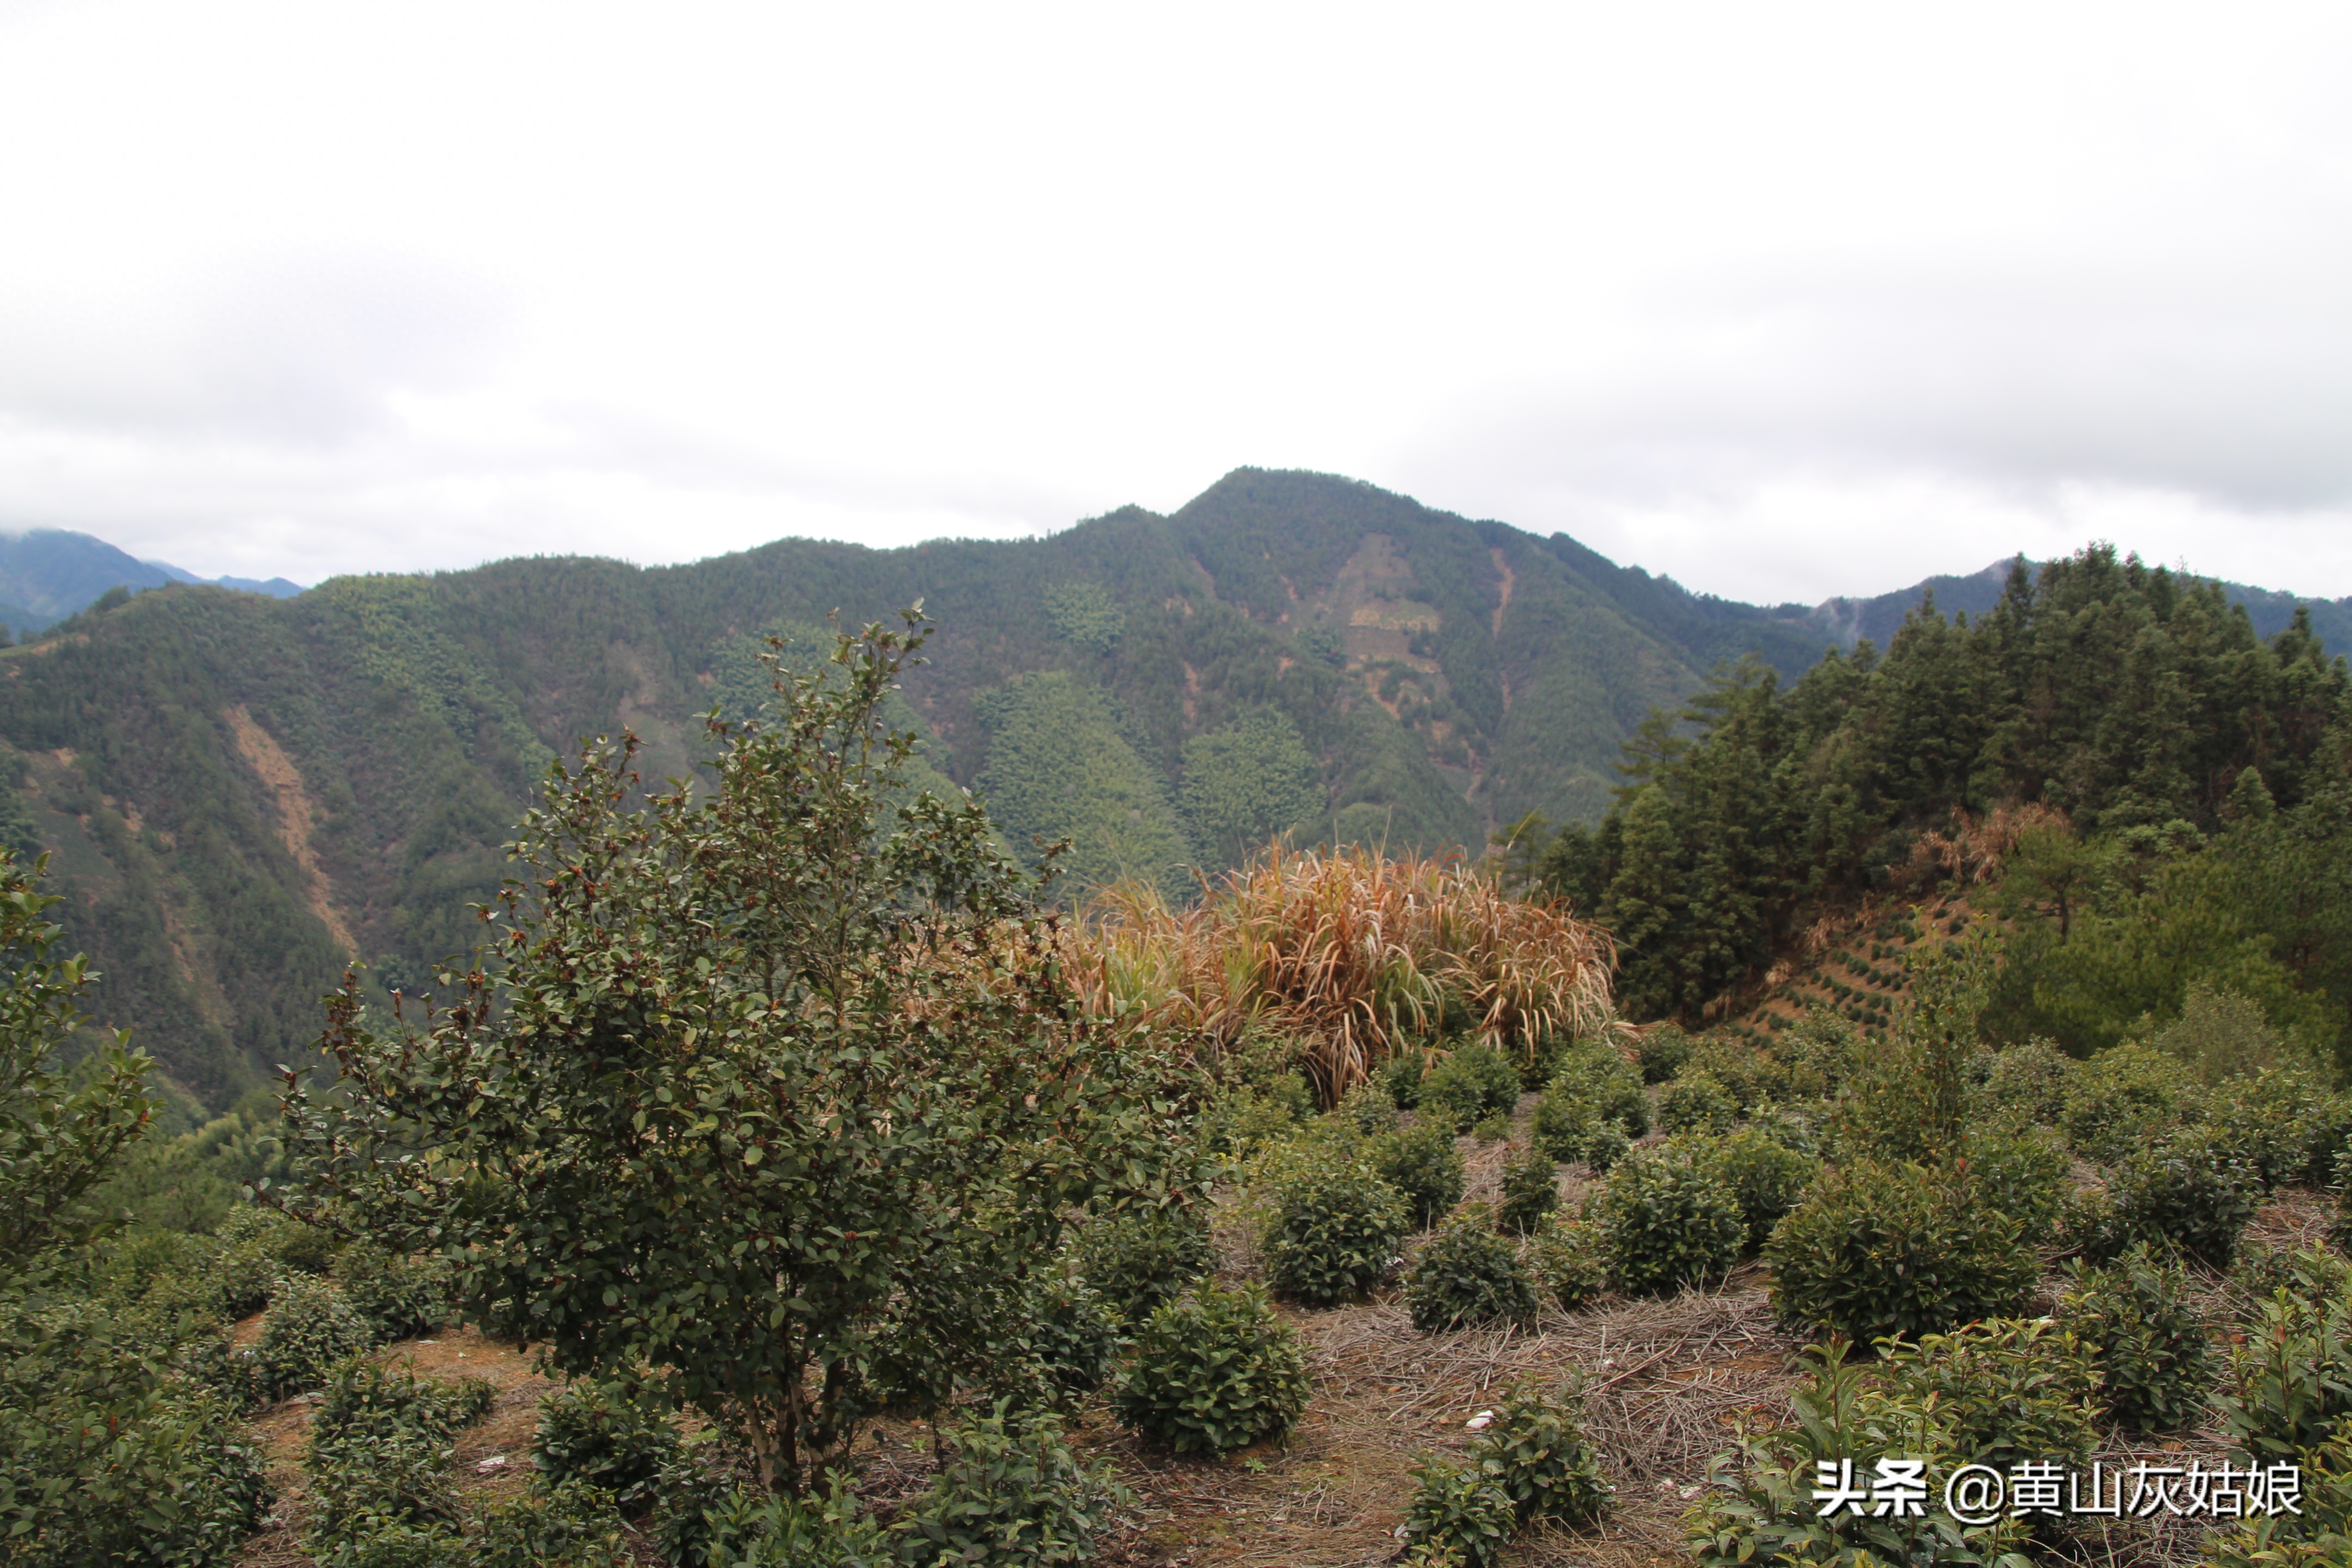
(1353, 954)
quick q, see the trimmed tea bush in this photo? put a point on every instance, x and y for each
(1536, 1452)
(1139, 1259)
(403, 1298)
(1214, 1371)
(1460, 1511)
(1767, 1179)
(1334, 1236)
(1072, 1338)
(2267, 1122)
(2290, 1375)
(1492, 1130)
(1366, 1109)
(1698, 1102)
(595, 1433)
(570, 1524)
(2124, 1096)
(1011, 1495)
(1595, 1074)
(2028, 1080)
(1567, 1128)
(310, 1328)
(2156, 1363)
(1663, 1053)
(2192, 1193)
(2009, 1390)
(1667, 1220)
(1469, 1277)
(1566, 1259)
(379, 1459)
(1472, 1084)
(1530, 1191)
(2020, 1171)
(1880, 1250)
(1423, 1166)
(1403, 1079)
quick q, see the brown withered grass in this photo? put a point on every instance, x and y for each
(1354, 953)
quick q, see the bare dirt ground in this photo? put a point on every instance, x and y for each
(1665, 1383)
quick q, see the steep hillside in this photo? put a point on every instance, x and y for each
(245, 793)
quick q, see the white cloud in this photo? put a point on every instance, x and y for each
(1786, 302)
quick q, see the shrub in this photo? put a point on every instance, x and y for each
(2267, 1122)
(1334, 1236)
(2007, 1390)
(1762, 1508)
(1423, 1165)
(401, 1297)
(1530, 1191)
(2290, 1375)
(568, 1525)
(1662, 1052)
(1072, 1338)
(2155, 1365)
(393, 1485)
(1367, 1110)
(1010, 1495)
(1403, 1079)
(1667, 1220)
(1568, 1261)
(363, 1402)
(1141, 1259)
(1767, 1179)
(1879, 1249)
(2320, 1536)
(1214, 1371)
(2122, 1098)
(1471, 1084)
(1469, 1276)
(1568, 1128)
(595, 1433)
(2028, 1080)
(1462, 1511)
(2192, 1193)
(2312, 1272)
(707, 1522)
(1537, 1452)
(1822, 1050)
(1747, 1074)
(1492, 1130)
(310, 1328)
(105, 1459)
(1698, 1102)
(2019, 1170)
(1593, 1073)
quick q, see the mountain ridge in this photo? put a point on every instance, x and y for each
(245, 794)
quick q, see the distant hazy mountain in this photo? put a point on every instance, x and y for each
(49, 573)
(1849, 620)
(275, 587)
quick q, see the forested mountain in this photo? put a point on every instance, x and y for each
(243, 792)
(2156, 797)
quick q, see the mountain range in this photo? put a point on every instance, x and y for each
(244, 793)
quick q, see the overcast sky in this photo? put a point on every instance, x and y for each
(1784, 301)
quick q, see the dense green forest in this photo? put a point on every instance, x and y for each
(242, 794)
(2163, 800)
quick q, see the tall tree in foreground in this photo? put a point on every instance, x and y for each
(767, 1097)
